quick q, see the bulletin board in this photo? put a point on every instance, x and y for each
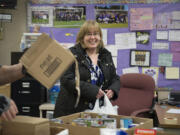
(145, 38)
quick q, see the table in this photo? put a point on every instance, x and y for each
(46, 107)
(170, 120)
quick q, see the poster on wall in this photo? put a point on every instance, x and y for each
(42, 16)
(141, 19)
(69, 17)
(112, 16)
(162, 21)
(153, 72)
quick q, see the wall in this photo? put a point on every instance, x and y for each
(123, 55)
(13, 31)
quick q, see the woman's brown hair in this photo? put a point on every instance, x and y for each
(85, 28)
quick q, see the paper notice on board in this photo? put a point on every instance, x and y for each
(172, 72)
(130, 70)
(174, 35)
(125, 40)
(165, 59)
(113, 49)
(176, 15)
(104, 33)
(176, 56)
(162, 35)
(115, 61)
(175, 46)
(141, 19)
(160, 45)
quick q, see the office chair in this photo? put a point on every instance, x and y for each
(136, 95)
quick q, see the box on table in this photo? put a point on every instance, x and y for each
(80, 130)
(46, 60)
(26, 125)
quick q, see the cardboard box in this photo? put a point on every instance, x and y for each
(56, 129)
(79, 130)
(46, 60)
(26, 125)
(5, 90)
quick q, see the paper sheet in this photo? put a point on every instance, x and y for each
(125, 40)
(162, 20)
(130, 70)
(175, 24)
(172, 72)
(115, 61)
(162, 35)
(153, 72)
(160, 45)
(165, 59)
(176, 56)
(175, 47)
(141, 19)
(104, 33)
(173, 35)
(113, 49)
(176, 15)
(177, 111)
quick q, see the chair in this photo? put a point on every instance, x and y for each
(136, 95)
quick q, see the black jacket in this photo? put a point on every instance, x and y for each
(67, 95)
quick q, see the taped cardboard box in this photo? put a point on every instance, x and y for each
(80, 130)
(26, 125)
(46, 60)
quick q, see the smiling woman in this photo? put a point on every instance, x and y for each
(97, 73)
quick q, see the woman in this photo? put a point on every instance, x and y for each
(97, 73)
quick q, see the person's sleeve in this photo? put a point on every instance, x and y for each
(115, 82)
(4, 104)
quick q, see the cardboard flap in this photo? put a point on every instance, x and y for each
(30, 120)
(37, 48)
(46, 60)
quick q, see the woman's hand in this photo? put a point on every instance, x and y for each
(109, 93)
(100, 94)
(11, 112)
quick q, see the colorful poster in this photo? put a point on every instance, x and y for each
(141, 19)
(152, 71)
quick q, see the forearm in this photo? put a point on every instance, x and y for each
(10, 73)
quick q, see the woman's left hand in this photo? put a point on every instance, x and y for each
(109, 93)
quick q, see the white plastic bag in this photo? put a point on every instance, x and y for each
(107, 108)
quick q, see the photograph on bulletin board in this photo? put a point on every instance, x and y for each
(69, 17)
(142, 37)
(140, 58)
(112, 16)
